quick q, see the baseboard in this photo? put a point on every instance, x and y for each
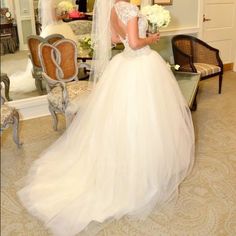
(30, 108)
(228, 66)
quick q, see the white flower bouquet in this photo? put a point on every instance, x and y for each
(157, 16)
(64, 7)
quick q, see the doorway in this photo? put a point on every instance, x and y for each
(219, 27)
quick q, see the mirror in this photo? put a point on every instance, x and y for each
(16, 64)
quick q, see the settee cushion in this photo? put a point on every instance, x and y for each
(81, 27)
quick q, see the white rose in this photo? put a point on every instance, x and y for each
(177, 67)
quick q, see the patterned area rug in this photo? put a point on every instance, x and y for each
(207, 198)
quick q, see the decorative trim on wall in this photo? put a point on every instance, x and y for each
(183, 30)
(163, 2)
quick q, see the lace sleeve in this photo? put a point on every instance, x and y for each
(126, 11)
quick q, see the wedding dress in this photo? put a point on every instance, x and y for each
(125, 153)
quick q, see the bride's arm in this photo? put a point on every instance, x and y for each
(134, 40)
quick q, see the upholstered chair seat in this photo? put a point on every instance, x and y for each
(6, 115)
(10, 117)
(205, 69)
(73, 89)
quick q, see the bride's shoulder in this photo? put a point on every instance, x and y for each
(126, 10)
(122, 5)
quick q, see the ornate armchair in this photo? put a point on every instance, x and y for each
(10, 116)
(33, 44)
(60, 68)
(194, 55)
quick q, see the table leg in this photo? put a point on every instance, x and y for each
(194, 106)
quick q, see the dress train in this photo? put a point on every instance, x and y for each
(125, 153)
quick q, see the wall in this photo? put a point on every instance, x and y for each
(90, 5)
(8, 4)
(234, 42)
(184, 13)
(184, 19)
(3, 3)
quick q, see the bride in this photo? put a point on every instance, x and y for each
(22, 81)
(127, 151)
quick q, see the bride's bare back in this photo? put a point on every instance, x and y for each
(118, 28)
(130, 31)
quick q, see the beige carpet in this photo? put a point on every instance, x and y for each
(207, 199)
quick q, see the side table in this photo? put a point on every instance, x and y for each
(188, 83)
(84, 56)
(9, 38)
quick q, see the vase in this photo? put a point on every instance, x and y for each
(85, 52)
(152, 28)
(65, 15)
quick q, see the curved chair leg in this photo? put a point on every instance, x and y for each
(39, 86)
(54, 116)
(7, 88)
(16, 128)
(220, 82)
(6, 81)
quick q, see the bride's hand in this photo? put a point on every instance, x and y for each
(154, 37)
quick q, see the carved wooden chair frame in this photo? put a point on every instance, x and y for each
(58, 74)
(37, 69)
(188, 59)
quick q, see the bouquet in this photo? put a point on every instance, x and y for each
(86, 44)
(157, 16)
(64, 7)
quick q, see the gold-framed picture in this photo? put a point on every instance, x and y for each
(162, 2)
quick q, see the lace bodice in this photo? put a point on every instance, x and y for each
(126, 11)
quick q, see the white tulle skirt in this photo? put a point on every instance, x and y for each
(124, 154)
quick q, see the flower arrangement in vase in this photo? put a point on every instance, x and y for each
(157, 16)
(64, 7)
(86, 45)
